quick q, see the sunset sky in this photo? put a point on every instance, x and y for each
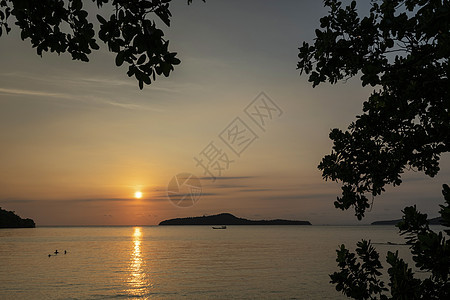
(78, 140)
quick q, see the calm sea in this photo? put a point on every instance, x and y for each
(180, 262)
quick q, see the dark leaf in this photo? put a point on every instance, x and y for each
(119, 58)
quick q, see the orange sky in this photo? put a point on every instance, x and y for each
(78, 140)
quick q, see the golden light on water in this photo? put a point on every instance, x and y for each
(137, 281)
(137, 233)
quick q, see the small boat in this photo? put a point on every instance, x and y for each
(219, 227)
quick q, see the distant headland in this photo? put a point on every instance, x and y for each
(228, 219)
(434, 221)
(8, 219)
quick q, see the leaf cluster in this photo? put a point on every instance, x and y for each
(402, 49)
(63, 26)
(359, 273)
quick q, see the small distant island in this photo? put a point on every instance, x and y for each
(434, 221)
(228, 219)
(8, 219)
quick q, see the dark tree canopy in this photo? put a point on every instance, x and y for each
(402, 49)
(63, 26)
(359, 276)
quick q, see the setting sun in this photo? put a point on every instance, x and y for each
(138, 195)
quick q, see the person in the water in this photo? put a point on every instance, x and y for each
(56, 251)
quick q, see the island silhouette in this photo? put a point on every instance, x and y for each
(8, 219)
(433, 221)
(228, 219)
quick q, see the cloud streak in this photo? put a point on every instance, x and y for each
(227, 178)
(90, 99)
(308, 196)
(19, 92)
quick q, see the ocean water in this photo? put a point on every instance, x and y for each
(179, 262)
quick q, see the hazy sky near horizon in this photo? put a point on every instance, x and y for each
(79, 139)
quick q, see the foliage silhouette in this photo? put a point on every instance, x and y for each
(63, 26)
(359, 275)
(402, 49)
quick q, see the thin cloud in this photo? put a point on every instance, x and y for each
(79, 98)
(80, 200)
(259, 190)
(81, 80)
(227, 178)
(299, 196)
(229, 186)
(31, 93)
(16, 201)
(70, 79)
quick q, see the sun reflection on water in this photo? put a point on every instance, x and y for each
(137, 281)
